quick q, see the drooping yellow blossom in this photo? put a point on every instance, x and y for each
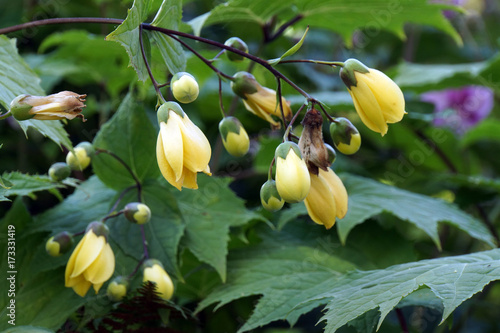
(234, 136)
(92, 262)
(154, 272)
(63, 105)
(292, 177)
(377, 99)
(260, 100)
(182, 150)
(327, 198)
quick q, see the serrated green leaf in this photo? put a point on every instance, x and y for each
(130, 135)
(451, 279)
(16, 78)
(209, 212)
(5, 184)
(336, 15)
(368, 198)
(163, 232)
(169, 17)
(290, 51)
(127, 34)
(23, 184)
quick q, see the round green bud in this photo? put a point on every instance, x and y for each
(81, 156)
(184, 87)
(19, 109)
(59, 244)
(59, 171)
(345, 136)
(137, 212)
(239, 44)
(270, 198)
(244, 84)
(117, 289)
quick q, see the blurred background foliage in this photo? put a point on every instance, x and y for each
(421, 54)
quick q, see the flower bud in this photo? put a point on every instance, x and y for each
(63, 105)
(80, 159)
(270, 198)
(239, 44)
(377, 99)
(234, 136)
(154, 272)
(345, 136)
(137, 212)
(184, 87)
(59, 171)
(59, 244)
(117, 289)
(292, 177)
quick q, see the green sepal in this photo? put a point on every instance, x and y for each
(332, 154)
(19, 110)
(244, 84)
(59, 171)
(89, 148)
(151, 263)
(342, 131)
(347, 71)
(283, 149)
(64, 242)
(269, 190)
(164, 109)
(99, 229)
(229, 124)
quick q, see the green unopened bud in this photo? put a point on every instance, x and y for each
(137, 212)
(165, 108)
(98, 228)
(59, 244)
(59, 171)
(80, 159)
(117, 289)
(239, 44)
(332, 154)
(345, 136)
(184, 87)
(244, 84)
(347, 71)
(234, 136)
(19, 109)
(270, 198)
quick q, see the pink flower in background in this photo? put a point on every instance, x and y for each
(461, 108)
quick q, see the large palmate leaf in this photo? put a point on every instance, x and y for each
(343, 17)
(209, 212)
(131, 136)
(296, 264)
(16, 78)
(452, 279)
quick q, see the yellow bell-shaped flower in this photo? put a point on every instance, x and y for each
(292, 177)
(377, 99)
(260, 100)
(154, 272)
(92, 262)
(327, 198)
(182, 150)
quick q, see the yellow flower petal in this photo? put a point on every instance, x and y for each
(338, 190)
(102, 268)
(320, 202)
(165, 168)
(197, 149)
(292, 178)
(172, 139)
(90, 250)
(367, 107)
(82, 287)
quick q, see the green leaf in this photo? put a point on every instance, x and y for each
(335, 15)
(209, 212)
(169, 17)
(290, 51)
(163, 231)
(285, 267)
(23, 184)
(17, 78)
(486, 131)
(368, 198)
(131, 136)
(127, 34)
(27, 329)
(451, 279)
